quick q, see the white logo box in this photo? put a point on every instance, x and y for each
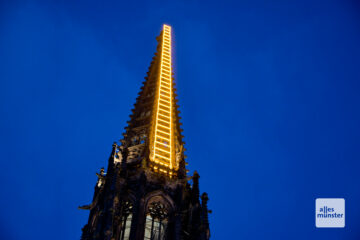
(330, 212)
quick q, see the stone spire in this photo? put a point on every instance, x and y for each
(145, 193)
(153, 131)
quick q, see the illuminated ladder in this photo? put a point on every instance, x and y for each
(162, 151)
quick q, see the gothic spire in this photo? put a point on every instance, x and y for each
(145, 192)
(153, 131)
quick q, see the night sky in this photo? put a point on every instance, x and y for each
(268, 93)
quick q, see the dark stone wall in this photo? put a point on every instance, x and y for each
(124, 182)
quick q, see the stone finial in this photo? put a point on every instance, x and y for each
(195, 187)
(205, 212)
(124, 156)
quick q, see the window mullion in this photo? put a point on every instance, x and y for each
(159, 238)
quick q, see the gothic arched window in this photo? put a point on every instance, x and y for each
(126, 221)
(156, 222)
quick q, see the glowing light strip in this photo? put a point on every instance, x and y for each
(158, 137)
(163, 150)
(162, 143)
(164, 109)
(162, 156)
(163, 115)
(164, 133)
(165, 87)
(162, 153)
(164, 99)
(162, 121)
(164, 92)
(163, 126)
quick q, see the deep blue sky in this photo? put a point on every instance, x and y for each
(268, 90)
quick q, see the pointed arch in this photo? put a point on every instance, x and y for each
(158, 207)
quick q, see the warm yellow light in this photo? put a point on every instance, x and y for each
(161, 157)
(163, 132)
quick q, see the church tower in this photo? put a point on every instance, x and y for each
(146, 193)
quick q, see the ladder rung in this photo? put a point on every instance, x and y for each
(163, 132)
(162, 156)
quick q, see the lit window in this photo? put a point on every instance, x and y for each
(126, 221)
(156, 222)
